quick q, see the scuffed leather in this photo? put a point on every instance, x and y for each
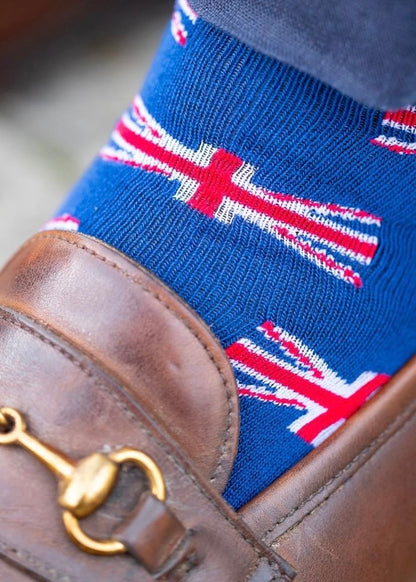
(97, 354)
(9, 573)
(116, 312)
(347, 511)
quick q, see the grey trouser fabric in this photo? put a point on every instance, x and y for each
(364, 48)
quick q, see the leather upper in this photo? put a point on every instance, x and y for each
(98, 354)
(119, 315)
(347, 511)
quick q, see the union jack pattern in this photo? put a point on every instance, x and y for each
(177, 26)
(187, 10)
(220, 185)
(275, 367)
(400, 131)
(179, 32)
(252, 190)
(63, 222)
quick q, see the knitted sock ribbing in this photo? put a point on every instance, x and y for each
(283, 212)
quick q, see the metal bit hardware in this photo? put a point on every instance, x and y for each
(83, 486)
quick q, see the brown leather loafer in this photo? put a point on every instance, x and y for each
(130, 404)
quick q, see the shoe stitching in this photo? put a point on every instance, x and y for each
(373, 444)
(228, 392)
(336, 490)
(8, 317)
(384, 436)
(53, 574)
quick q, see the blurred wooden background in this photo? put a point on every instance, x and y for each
(67, 70)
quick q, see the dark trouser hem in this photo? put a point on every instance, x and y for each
(364, 48)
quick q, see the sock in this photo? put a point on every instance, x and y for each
(283, 212)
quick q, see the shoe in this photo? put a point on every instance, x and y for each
(129, 402)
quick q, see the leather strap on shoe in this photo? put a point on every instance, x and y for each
(99, 356)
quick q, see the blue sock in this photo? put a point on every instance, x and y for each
(283, 212)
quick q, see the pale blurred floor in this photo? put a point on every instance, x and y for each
(55, 118)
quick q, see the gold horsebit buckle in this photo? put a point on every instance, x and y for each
(83, 486)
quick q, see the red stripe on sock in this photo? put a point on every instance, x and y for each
(215, 184)
(337, 407)
(243, 391)
(402, 116)
(349, 405)
(271, 332)
(394, 147)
